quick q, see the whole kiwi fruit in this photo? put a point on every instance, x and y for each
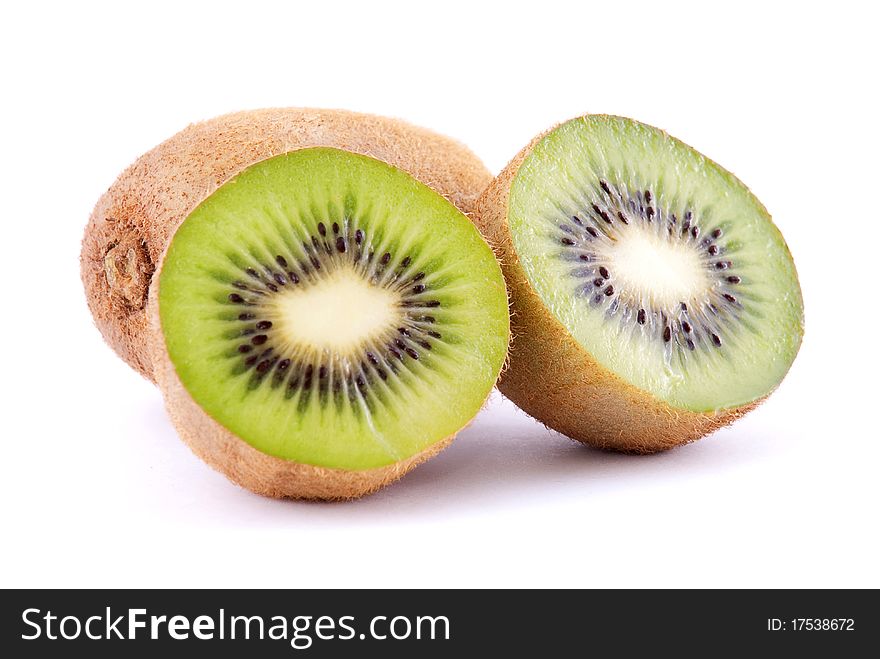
(653, 299)
(133, 221)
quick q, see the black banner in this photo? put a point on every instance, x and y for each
(288, 623)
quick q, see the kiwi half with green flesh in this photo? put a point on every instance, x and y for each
(653, 300)
(323, 322)
(133, 221)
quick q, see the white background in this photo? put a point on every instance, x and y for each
(96, 489)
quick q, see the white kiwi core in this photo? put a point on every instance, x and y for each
(661, 271)
(337, 313)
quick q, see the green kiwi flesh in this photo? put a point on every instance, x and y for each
(330, 310)
(658, 262)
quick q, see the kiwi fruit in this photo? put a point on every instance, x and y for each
(323, 322)
(653, 299)
(133, 221)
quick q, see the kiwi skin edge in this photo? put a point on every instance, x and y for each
(135, 219)
(553, 379)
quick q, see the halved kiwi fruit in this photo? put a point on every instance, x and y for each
(323, 322)
(133, 221)
(653, 300)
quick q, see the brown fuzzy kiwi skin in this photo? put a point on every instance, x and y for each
(553, 379)
(134, 220)
(243, 464)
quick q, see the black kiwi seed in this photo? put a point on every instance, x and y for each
(293, 277)
(259, 339)
(280, 260)
(236, 298)
(650, 212)
(604, 186)
(280, 278)
(322, 229)
(386, 257)
(717, 233)
(604, 272)
(245, 348)
(336, 227)
(246, 316)
(264, 324)
(418, 288)
(419, 276)
(433, 334)
(567, 241)
(713, 249)
(340, 244)
(667, 334)
(609, 291)
(733, 279)
(359, 236)
(695, 231)
(283, 364)
(592, 232)
(648, 196)
(239, 285)
(598, 282)
(412, 353)
(641, 317)
(405, 263)
(686, 326)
